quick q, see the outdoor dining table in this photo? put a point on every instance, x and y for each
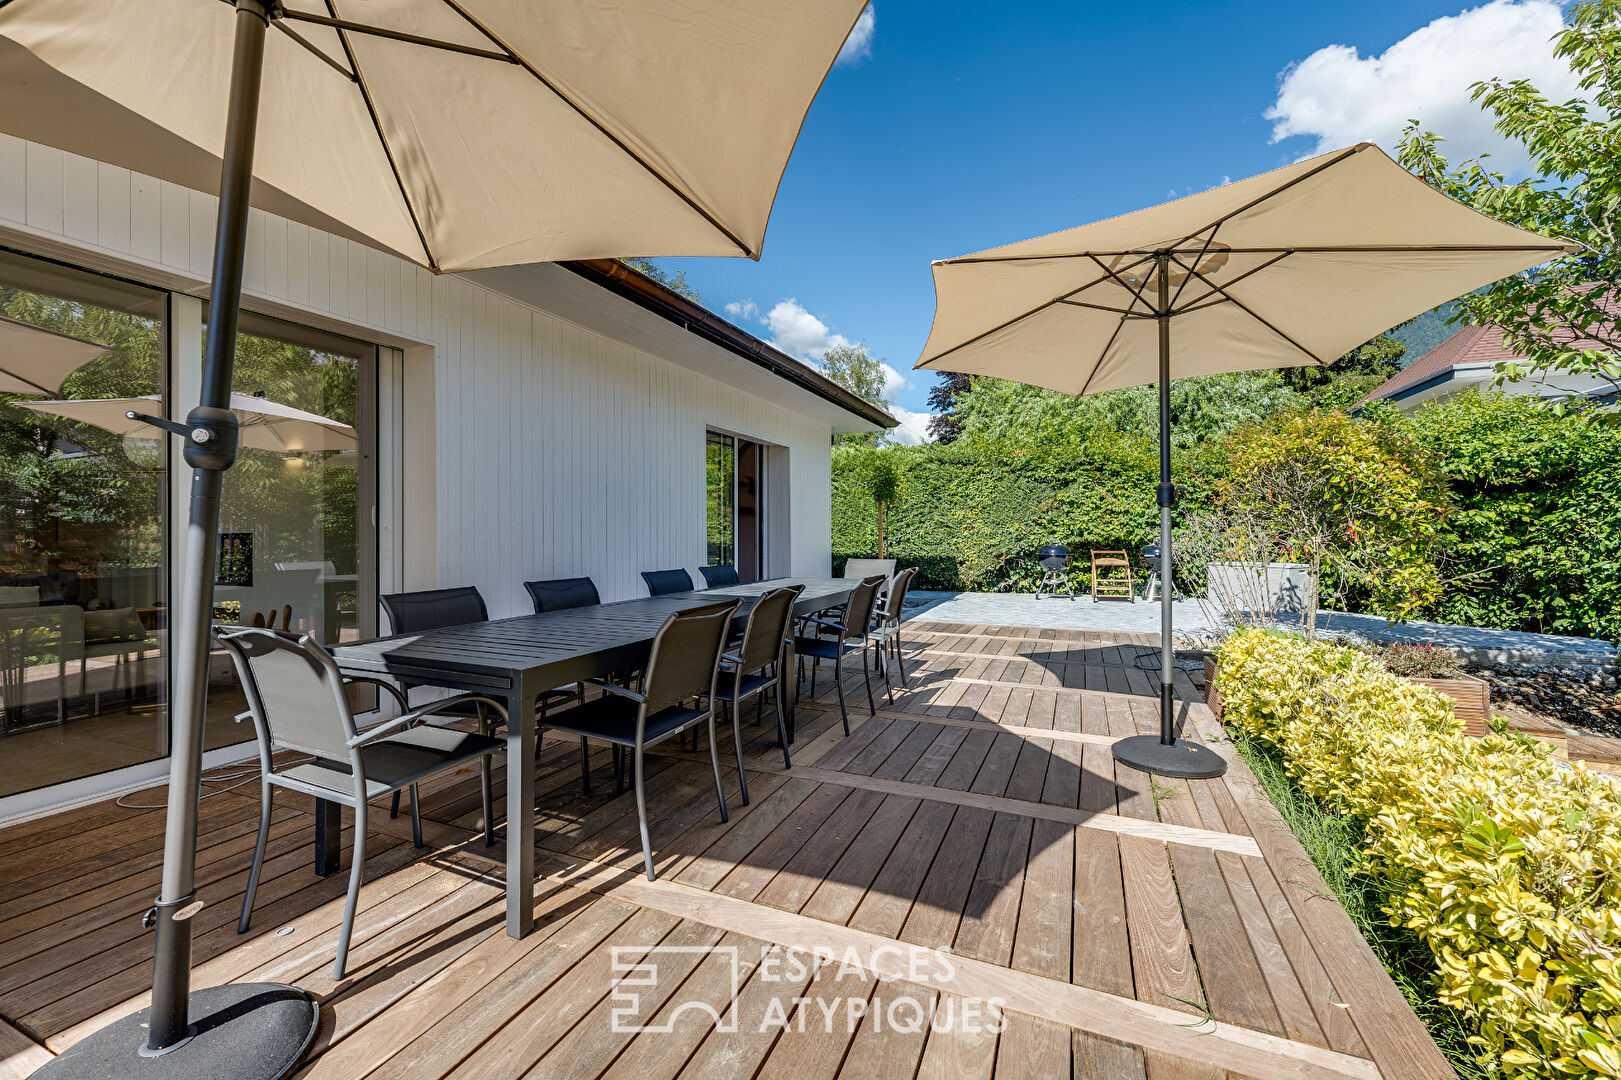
(516, 660)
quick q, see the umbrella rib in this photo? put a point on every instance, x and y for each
(1104, 307)
(1246, 309)
(399, 35)
(602, 130)
(1198, 305)
(1180, 289)
(313, 51)
(25, 378)
(1347, 249)
(377, 125)
(1281, 188)
(1119, 326)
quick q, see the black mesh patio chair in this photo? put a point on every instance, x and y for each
(664, 582)
(755, 666)
(682, 667)
(886, 624)
(717, 577)
(852, 631)
(561, 594)
(296, 697)
(432, 609)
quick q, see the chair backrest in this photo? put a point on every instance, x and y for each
(414, 612)
(716, 577)
(896, 600)
(686, 654)
(664, 582)
(768, 623)
(294, 691)
(861, 568)
(559, 594)
(858, 609)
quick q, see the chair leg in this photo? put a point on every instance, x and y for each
(416, 817)
(258, 858)
(838, 684)
(394, 806)
(782, 725)
(619, 770)
(714, 762)
(484, 784)
(356, 873)
(879, 653)
(585, 766)
(866, 677)
(900, 661)
(737, 745)
(641, 815)
(489, 812)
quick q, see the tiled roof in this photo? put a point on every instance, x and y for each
(1470, 345)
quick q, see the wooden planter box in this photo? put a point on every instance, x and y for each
(1471, 699)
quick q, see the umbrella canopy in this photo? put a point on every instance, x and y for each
(1291, 268)
(35, 361)
(266, 425)
(460, 134)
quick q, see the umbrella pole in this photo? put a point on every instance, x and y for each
(243, 1030)
(1167, 754)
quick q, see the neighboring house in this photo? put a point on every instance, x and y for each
(1470, 358)
(542, 421)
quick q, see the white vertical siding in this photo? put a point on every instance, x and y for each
(558, 451)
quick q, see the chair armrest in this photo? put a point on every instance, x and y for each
(416, 716)
(615, 688)
(394, 691)
(837, 627)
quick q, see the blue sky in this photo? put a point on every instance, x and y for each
(947, 127)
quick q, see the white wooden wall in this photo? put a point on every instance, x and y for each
(556, 451)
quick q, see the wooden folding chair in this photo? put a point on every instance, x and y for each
(1111, 576)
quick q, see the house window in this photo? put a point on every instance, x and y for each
(82, 525)
(734, 493)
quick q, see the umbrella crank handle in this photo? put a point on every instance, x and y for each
(210, 434)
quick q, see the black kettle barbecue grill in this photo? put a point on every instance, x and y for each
(1054, 560)
(1150, 555)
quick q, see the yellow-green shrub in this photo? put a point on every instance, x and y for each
(1505, 864)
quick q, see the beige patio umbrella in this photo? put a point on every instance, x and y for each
(35, 361)
(1292, 268)
(457, 133)
(263, 424)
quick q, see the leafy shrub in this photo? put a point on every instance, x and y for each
(1419, 660)
(1534, 542)
(1506, 865)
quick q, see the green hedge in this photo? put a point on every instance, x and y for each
(972, 520)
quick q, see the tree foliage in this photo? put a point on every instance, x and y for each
(861, 373)
(1575, 194)
(945, 423)
(676, 281)
(1360, 503)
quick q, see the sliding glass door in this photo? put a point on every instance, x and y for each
(82, 525)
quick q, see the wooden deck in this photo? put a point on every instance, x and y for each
(1099, 923)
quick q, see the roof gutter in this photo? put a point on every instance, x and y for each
(648, 294)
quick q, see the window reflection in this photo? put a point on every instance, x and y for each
(82, 590)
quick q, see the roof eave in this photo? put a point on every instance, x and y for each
(670, 305)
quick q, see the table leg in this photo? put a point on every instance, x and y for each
(328, 837)
(521, 811)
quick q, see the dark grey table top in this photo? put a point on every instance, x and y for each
(555, 648)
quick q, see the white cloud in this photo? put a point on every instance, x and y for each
(893, 380)
(914, 429)
(1342, 98)
(799, 333)
(858, 46)
(742, 310)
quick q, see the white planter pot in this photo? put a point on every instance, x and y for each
(1281, 588)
